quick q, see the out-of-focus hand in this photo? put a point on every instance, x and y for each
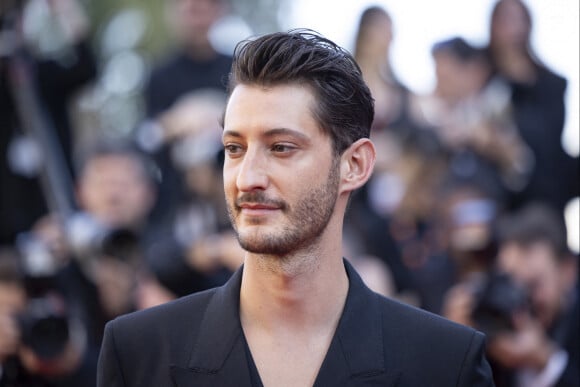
(215, 251)
(9, 336)
(458, 305)
(50, 232)
(192, 115)
(150, 293)
(12, 301)
(527, 346)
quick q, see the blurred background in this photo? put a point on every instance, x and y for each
(418, 24)
(129, 37)
(111, 197)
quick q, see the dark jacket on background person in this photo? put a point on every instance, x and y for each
(171, 79)
(539, 112)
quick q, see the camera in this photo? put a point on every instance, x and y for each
(91, 239)
(44, 326)
(498, 299)
(44, 323)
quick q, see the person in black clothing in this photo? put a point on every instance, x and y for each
(295, 137)
(181, 95)
(543, 347)
(95, 256)
(373, 53)
(538, 105)
(96, 264)
(34, 350)
(194, 65)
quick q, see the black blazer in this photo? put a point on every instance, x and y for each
(198, 341)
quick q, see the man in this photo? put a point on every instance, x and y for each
(295, 135)
(99, 254)
(543, 347)
(37, 349)
(193, 66)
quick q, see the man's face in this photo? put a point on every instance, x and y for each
(113, 188)
(281, 178)
(450, 74)
(511, 28)
(195, 17)
(536, 267)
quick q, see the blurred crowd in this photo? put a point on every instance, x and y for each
(463, 217)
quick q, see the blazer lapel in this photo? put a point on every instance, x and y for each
(218, 357)
(233, 373)
(356, 356)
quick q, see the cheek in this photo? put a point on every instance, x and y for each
(139, 201)
(229, 184)
(546, 293)
(229, 177)
(94, 197)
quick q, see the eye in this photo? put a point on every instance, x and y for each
(233, 150)
(282, 148)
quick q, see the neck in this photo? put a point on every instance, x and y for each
(373, 65)
(516, 65)
(306, 291)
(200, 50)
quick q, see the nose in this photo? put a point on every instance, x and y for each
(252, 172)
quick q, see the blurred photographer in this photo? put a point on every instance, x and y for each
(543, 347)
(527, 304)
(192, 64)
(100, 246)
(42, 341)
(467, 209)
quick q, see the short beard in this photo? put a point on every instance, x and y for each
(307, 219)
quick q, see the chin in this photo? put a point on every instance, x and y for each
(265, 246)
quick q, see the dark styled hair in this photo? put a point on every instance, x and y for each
(459, 48)
(498, 8)
(113, 148)
(536, 222)
(344, 109)
(369, 16)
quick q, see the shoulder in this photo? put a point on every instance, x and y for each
(422, 336)
(167, 319)
(449, 352)
(166, 65)
(224, 59)
(402, 324)
(555, 81)
(446, 353)
(422, 325)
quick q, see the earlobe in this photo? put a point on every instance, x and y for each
(357, 164)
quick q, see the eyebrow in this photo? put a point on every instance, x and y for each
(271, 133)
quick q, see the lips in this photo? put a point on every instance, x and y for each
(256, 203)
(254, 210)
(258, 206)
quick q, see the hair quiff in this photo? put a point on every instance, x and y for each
(344, 109)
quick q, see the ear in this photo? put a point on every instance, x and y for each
(357, 164)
